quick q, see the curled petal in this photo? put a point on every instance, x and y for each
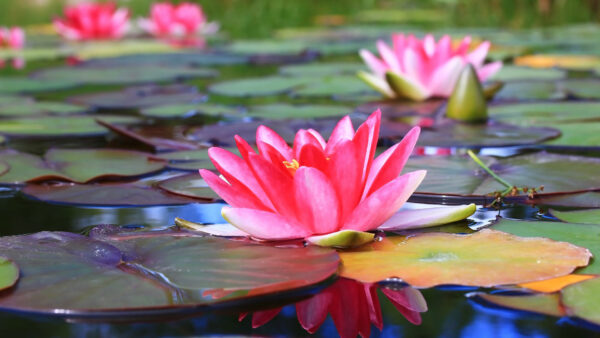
(236, 196)
(427, 217)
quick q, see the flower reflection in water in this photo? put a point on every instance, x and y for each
(353, 306)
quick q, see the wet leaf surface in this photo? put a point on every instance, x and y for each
(59, 126)
(322, 69)
(277, 111)
(188, 58)
(77, 165)
(591, 216)
(140, 97)
(192, 186)
(149, 274)
(189, 110)
(485, 258)
(15, 85)
(548, 304)
(581, 300)
(585, 235)
(40, 108)
(537, 90)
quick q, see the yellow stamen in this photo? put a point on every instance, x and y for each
(292, 166)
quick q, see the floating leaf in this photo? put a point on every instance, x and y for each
(585, 89)
(151, 274)
(555, 284)
(9, 273)
(558, 60)
(513, 73)
(140, 97)
(103, 195)
(581, 300)
(278, 111)
(585, 235)
(40, 108)
(591, 216)
(111, 48)
(191, 185)
(537, 90)
(270, 85)
(188, 110)
(14, 85)
(321, 69)
(342, 85)
(485, 258)
(252, 47)
(583, 200)
(548, 304)
(188, 58)
(130, 74)
(77, 165)
(59, 126)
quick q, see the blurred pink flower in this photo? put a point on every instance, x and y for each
(13, 38)
(420, 69)
(183, 22)
(93, 21)
(315, 187)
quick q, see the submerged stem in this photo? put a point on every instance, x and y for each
(488, 170)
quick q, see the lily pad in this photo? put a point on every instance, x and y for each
(581, 300)
(591, 216)
(278, 111)
(537, 90)
(131, 74)
(516, 73)
(253, 47)
(140, 97)
(188, 110)
(585, 235)
(191, 160)
(146, 275)
(40, 108)
(9, 273)
(585, 89)
(103, 195)
(77, 165)
(548, 304)
(271, 85)
(112, 48)
(555, 284)
(458, 175)
(485, 258)
(322, 69)
(15, 85)
(582, 200)
(578, 62)
(342, 85)
(59, 126)
(188, 58)
(192, 186)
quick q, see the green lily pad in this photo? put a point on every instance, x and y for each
(140, 97)
(112, 48)
(591, 216)
(188, 110)
(9, 273)
(257, 47)
(77, 165)
(585, 89)
(151, 275)
(430, 259)
(516, 73)
(59, 126)
(188, 58)
(548, 304)
(14, 100)
(15, 85)
(322, 69)
(192, 186)
(103, 195)
(537, 90)
(34, 53)
(458, 175)
(271, 85)
(277, 111)
(581, 300)
(342, 85)
(585, 235)
(131, 74)
(191, 160)
(40, 108)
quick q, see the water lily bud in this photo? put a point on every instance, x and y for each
(467, 102)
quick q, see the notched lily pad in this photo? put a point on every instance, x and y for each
(77, 165)
(486, 258)
(149, 274)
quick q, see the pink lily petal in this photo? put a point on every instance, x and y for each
(238, 196)
(388, 56)
(313, 311)
(383, 203)
(477, 56)
(414, 66)
(237, 172)
(373, 303)
(313, 156)
(304, 137)
(266, 135)
(429, 45)
(427, 217)
(463, 47)
(342, 131)
(276, 184)
(345, 174)
(319, 137)
(443, 51)
(389, 165)
(260, 318)
(269, 153)
(365, 141)
(489, 70)
(443, 80)
(375, 64)
(399, 44)
(243, 147)
(263, 224)
(351, 305)
(317, 200)
(399, 299)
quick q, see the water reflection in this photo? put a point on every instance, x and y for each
(352, 305)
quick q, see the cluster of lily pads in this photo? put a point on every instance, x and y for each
(131, 122)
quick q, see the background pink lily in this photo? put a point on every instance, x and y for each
(13, 38)
(419, 69)
(93, 21)
(353, 306)
(315, 187)
(181, 21)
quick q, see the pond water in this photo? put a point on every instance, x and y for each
(104, 139)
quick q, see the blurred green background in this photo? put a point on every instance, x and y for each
(258, 18)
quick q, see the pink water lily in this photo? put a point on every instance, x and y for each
(419, 69)
(93, 21)
(12, 38)
(315, 187)
(182, 21)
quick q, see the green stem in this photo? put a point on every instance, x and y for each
(488, 170)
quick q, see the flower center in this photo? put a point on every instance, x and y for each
(291, 166)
